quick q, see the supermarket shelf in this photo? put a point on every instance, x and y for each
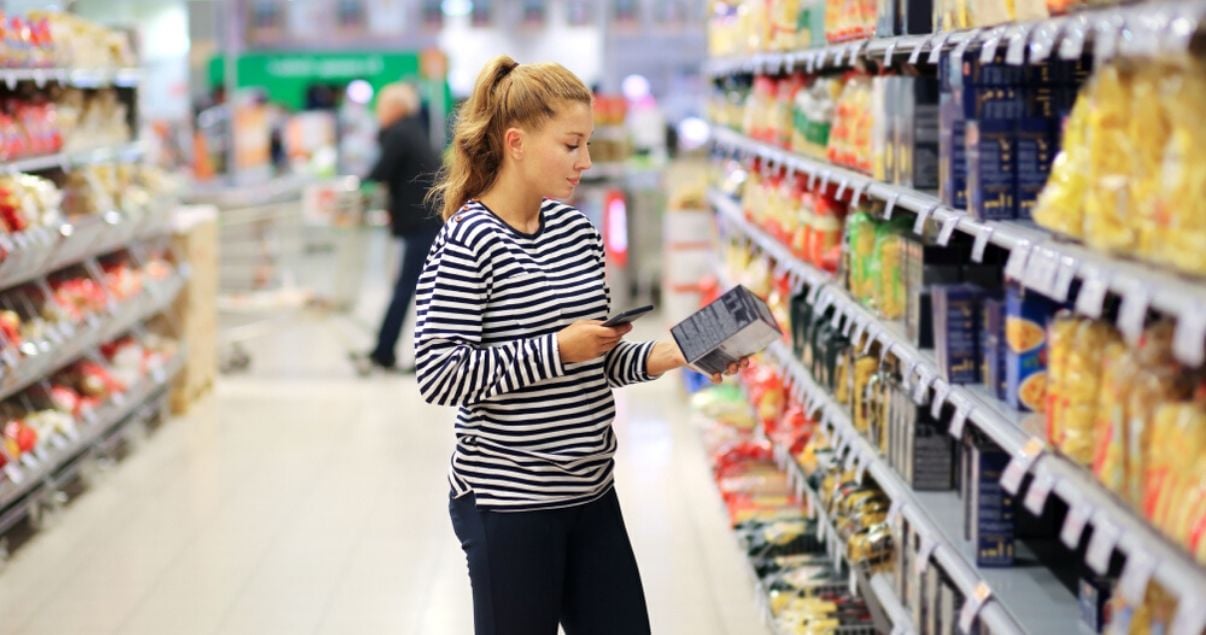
(1149, 554)
(1021, 600)
(1038, 259)
(1038, 40)
(896, 614)
(35, 252)
(124, 153)
(64, 449)
(77, 77)
(730, 214)
(67, 344)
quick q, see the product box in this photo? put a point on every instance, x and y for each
(887, 20)
(1093, 595)
(734, 326)
(927, 462)
(992, 346)
(956, 331)
(1026, 317)
(952, 154)
(993, 524)
(917, 131)
(1036, 150)
(925, 264)
(991, 166)
(882, 128)
(947, 617)
(916, 17)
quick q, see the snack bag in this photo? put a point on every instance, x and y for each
(1081, 388)
(1180, 197)
(1060, 339)
(1118, 369)
(1108, 208)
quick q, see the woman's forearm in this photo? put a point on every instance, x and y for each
(664, 357)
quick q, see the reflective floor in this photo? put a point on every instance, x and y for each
(298, 498)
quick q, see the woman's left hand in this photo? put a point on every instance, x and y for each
(742, 364)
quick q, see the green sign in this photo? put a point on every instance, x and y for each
(286, 76)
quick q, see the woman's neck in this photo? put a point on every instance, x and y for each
(518, 209)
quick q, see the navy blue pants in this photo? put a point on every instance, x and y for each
(532, 570)
(414, 254)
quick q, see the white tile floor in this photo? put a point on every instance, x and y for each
(300, 499)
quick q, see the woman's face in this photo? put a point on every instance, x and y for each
(557, 154)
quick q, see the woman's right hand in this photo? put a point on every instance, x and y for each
(588, 339)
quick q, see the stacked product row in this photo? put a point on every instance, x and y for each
(46, 39)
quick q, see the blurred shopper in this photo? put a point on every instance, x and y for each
(406, 166)
(509, 330)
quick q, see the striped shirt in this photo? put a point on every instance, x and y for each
(532, 432)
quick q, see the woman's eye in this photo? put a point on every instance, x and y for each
(572, 148)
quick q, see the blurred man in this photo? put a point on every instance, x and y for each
(406, 167)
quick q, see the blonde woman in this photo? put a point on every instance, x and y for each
(510, 307)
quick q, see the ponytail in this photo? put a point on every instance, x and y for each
(505, 95)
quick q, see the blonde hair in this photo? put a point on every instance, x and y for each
(505, 95)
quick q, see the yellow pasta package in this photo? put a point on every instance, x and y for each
(1180, 207)
(1061, 333)
(1107, 205)
(1081, 388)
(1109, 457)
(1060, 206)
(1145, 137)
(1159, 381)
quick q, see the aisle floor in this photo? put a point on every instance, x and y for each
(298, 498)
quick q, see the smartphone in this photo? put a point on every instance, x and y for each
(631, 315)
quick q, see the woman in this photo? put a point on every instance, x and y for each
(509, 330)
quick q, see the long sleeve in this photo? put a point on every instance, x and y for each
(453, 366)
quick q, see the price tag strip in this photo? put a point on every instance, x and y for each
(1020, 464)
(1040, 489)
(1101, 545)
(1074, 524)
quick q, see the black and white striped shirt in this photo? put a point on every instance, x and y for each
(532, 432)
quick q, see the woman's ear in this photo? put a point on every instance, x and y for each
(513, 143)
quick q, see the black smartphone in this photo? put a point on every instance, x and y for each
(631, 315)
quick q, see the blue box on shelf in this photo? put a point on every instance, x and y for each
(1026, 317)
(991, 166)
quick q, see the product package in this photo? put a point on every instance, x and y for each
(991, 507)
(956, 331)
(1026, 317)
(738, 324)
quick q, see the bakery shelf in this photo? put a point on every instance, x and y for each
(65, 450)
(77, 77)
(1149, 554)
(1062, 36)
(1039, 260)
(66, 343)
(122, 153)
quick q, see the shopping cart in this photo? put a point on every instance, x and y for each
(286, 247)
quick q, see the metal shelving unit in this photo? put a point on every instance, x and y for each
(125, 153)
(77, 77)
(1149, 555)
(1038, 259)
(1125, 30)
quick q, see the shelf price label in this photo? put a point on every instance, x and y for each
(1020, 464)
(941, 391)
(1092, 296)
(1133, 313)
(972, 606)
(1065, 272)
(915, 54)
(1105, 38)
(988, 50)
(1074, 524)
(1101, 545)
(1135, 576)
(1015, 267)
(936, 48)
(1015, 55)
(961, 48)
(14, 473)
(983, 235)
(1190, 337)
(1040, 489)
(922, 217)
(889, 52)
(1073, 44)
(924, 552)
(948, 228)
(890, 206)
(921, 389)
(963, 410)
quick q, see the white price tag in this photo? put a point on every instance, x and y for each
(821, 57)
(821, 533)
(1074, 524)
(936, 47)
(860, 329)
(915, 54)
(923, 553)
(59, 441)
(1133, 313)
(1101, 545)
(42, 455)
(812, 179)
(29, 461)
(889, 52)
(810, 63)
(961, 48)
(884, 351)
(873, 332)
(1040, 489)
(860, 472)
(972, 605)
(1015, 267)
(1135, 575)
(1191, 615)
(983, 234)
(1015, 55)
(853, 582)
(1020, 465)
(826, 175)
(963, 411)
(941, 391)
(948, 228)
(849, 461)
(1190, 337)
(922, 217)
(890, 206)
(841, 192)
(856, 195)
(921, 389)
(1091, 297)
(894, 511)
(1041, 268)
(1073, 44)
(14, 473)
(1105, 40)
(988, 50)
(1065, 272)
(847, 325)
